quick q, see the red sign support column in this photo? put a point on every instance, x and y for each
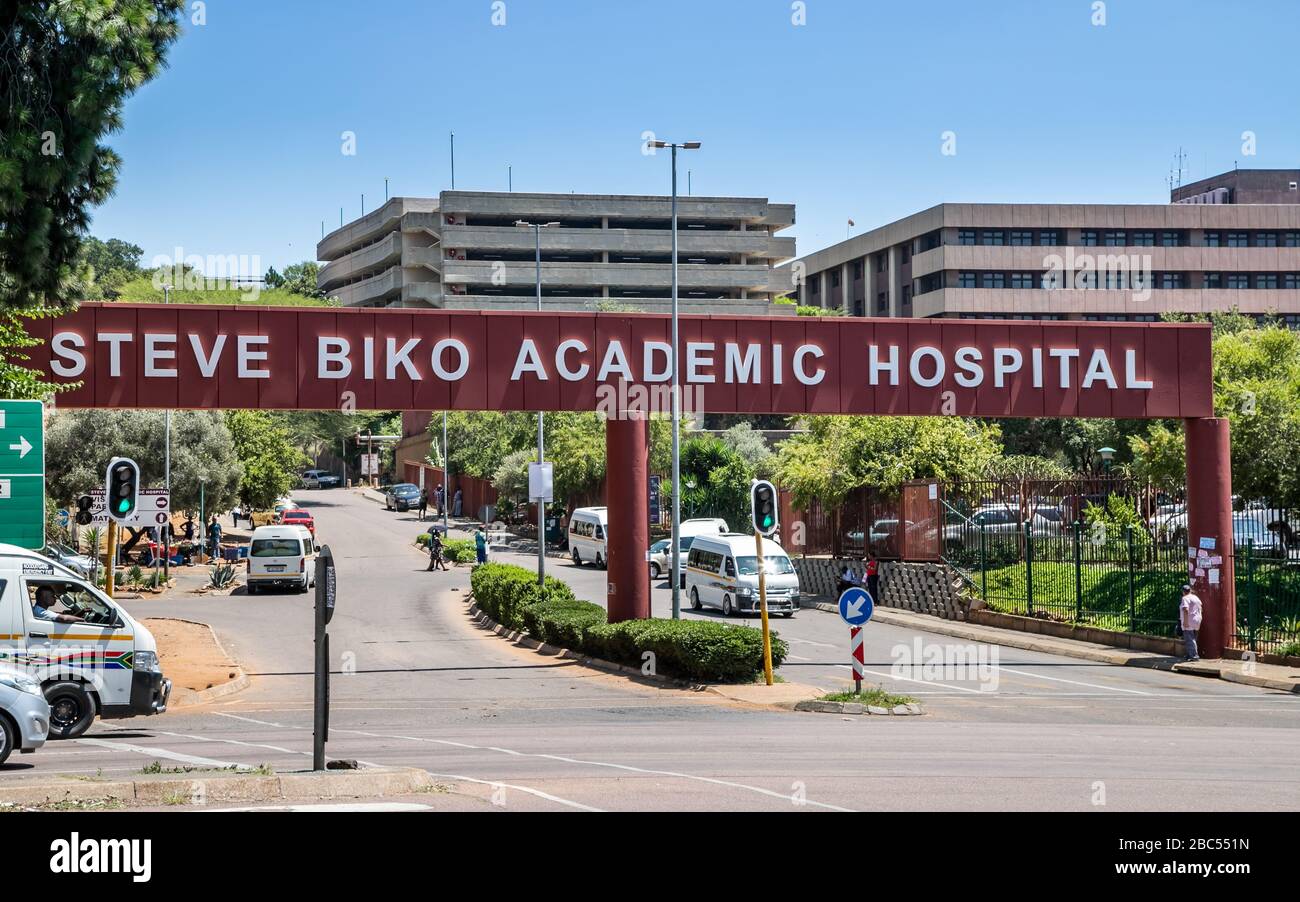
(627, 495)
(1209, 523)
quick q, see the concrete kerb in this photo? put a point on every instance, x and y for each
(202, 787)
(825, 707)
(238, 684)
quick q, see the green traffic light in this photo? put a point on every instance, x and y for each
(123, 506)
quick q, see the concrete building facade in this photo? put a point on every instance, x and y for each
(1114, 262)
(464, 250)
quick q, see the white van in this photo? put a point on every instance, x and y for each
(281, 557)
(703, 526)
(722, 572)
(588, 529)
(105, 663)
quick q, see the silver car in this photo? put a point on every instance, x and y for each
(24, 713)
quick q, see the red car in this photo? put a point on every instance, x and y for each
(299, 517)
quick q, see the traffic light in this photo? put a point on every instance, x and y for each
(84, 504)
(762, 506)
(121, 486)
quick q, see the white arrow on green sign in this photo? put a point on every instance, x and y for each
(22, 473)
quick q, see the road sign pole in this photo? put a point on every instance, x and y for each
(762, 602)
(325, 594)
(855, 649)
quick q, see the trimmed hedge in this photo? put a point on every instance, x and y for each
(693, 649)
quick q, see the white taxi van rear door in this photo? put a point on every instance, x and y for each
(12, 641)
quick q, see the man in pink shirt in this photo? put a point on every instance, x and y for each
(1189, 619)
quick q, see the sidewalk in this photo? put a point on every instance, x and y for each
(1262, 676)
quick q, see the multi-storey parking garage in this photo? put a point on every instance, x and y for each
(466, 250)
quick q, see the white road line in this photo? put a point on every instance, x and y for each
(799, 641)
(891, 676)
(1039, 676)
(797, 658)
(193, 760)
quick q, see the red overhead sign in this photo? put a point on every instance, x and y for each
(146, 355)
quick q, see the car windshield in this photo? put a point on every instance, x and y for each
(405, 490)
(659, 546)
(297, 514)
(772, 565)
(276, 548)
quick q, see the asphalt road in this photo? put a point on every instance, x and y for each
(418, 684)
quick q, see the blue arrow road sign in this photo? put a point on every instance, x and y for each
(856, 606)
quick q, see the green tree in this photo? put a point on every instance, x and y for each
(268, 459)
(1160, 457)
(300, 278)
(839, 454)
(749, 443)
(111, 265)
(80, 443)
(16, 380)
(69, 66)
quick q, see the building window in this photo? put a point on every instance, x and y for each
(1085, 279)
(1088, 238)
(1022, 280)
(993, 280)
(1171, 280)
(1213, 239)
(1115, 280)
(1212, 280)
(835, 278)
(1171, 239)
(882, 302)
(881, 263)
(1022, 239)
(1115, 239)
(1238, 280)
(1266, 239)
(1144, 239)
(1238, 239)
(965, 280)
(993, 237)
(1266, 280)
(857, 270)
(1291, 239)
(907, 295)
(965, 236)
(906, 252)
(1049, 239)
(1291, 280)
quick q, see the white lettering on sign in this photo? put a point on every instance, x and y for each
(573, 360)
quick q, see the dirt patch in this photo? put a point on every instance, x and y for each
(191, 657)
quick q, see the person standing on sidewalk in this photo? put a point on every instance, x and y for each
(440, 496)
(424, 503)
(873, 578)
(1189, 620)
(480, 545)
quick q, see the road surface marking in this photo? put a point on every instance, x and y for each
(810, 642)
(194, 760)
(923, 682)
(1039, 676)
(333, 806)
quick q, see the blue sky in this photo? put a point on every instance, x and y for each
(236, 147)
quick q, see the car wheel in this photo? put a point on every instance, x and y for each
(727, 609)
(695, 600)
(654, 571)
(305, 586)
(600, 561)
(8, 739)
(788, 614)
(577, 558)
(72, 710)
(252, 588)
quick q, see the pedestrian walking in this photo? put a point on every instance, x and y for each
(440, 496)
(436, 558)
(455, 509)
(1189, 621)
(424, 503)
(873, 579)
(480, 545)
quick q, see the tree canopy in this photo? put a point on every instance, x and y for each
(68, 69)
(268, 459)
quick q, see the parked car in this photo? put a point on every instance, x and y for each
(998, 519)
(661, 555)
(81, 564)
(402, 496)
(24, 713)
(587, 535)
(320, 479)
(299, 517)
(281, 506)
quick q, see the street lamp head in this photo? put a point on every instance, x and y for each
(658, 143)
(1107, 454)
(550, 225)
(691, 145)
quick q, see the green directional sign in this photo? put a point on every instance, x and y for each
(22, 473)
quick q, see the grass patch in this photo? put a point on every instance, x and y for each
(875, 696)
(261, 770)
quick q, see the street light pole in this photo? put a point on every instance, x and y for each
(165, 534)
(541, 417)
(676, 395)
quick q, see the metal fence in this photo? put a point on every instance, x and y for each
(1022, 550)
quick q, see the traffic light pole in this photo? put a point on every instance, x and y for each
(762, 601)
(112, 558)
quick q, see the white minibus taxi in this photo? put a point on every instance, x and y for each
(722, 572)
(587, 533)
(281, 557)
(90, 656)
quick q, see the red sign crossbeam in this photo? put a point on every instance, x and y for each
(147, 355)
